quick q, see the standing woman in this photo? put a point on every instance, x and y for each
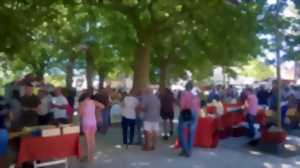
(87, 113)
(189, 107)
(130, 103)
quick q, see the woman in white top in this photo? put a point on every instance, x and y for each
(129, 105)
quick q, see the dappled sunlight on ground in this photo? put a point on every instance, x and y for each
(257, 153)
(140, 164)
(230, 153)
(268, 165)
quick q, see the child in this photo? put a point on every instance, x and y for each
(87, 113)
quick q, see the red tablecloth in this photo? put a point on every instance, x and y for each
(233, 115)
(206, 133)
(46, 148)
(211, 109)
(230, 119)
(232, 107)
(261, 117)
(273, 137)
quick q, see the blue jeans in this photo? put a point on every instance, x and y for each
(251, 121)
(138, 127)
(186, 142)
(106, 120)
(3, 142)
(128, 124)
(284, 110)
(2, 121)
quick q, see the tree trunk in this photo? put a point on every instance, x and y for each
(163, 75)
(89, 69)
(295, 70)
(278, 68)
(40, 75)
(278, 72)
(101, 80)
(224, 77)
(142, 61)
(39, 70)
(70, 72)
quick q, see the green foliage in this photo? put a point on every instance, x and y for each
(256, 69)
(185, 35)
(204, 34)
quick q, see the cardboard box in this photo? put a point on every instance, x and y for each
(71, 130)
(51, 132)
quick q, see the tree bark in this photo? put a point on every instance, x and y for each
(39, 70)
(40, 75)
(295, 70)
(163, 75)
(278, 67)
(70, 72)
(101, 80)
(89, 69)
(142, 61)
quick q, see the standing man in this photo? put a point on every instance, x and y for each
(30, 107)
(189, 108)
(104, 120)
(44, 115)
(59, 106)
(167, 101)
(139, 120)
(263, 96)
(151, 106)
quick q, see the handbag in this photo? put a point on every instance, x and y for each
(186, 115)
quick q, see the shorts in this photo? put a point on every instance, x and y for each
(89, 128)
(151, 126)
(61, 120)
(3, 142)
(167, 115)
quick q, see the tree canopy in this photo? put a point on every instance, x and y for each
(157, 39)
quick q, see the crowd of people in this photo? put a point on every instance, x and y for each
(267, 97)
(31, 102)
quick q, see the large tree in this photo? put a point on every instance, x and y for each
(199, 43)
(207, 21)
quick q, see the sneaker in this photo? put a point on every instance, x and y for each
(187, 154)
(182, 153)
(253, 142)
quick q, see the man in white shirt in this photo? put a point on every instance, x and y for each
(59, 106)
